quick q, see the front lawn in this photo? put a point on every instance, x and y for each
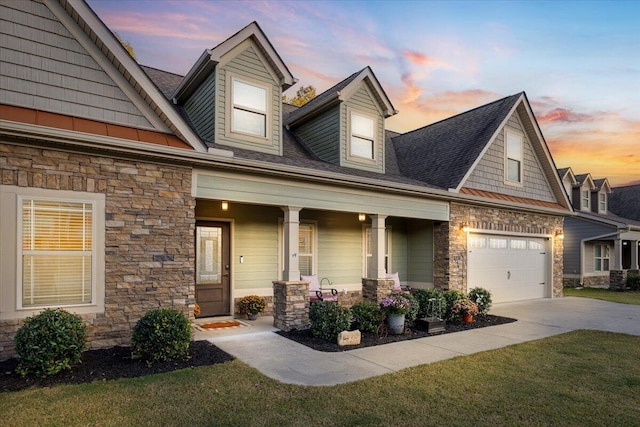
(585, 378)
(627, 297)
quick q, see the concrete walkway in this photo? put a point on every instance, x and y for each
(290, 362)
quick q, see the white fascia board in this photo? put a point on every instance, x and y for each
(367, 74)
(132, 67)
(253, 29)
(486, 147)
(197, 73)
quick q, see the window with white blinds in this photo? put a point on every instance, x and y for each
(57, 251)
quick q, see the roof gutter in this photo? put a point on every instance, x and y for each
(223, 159)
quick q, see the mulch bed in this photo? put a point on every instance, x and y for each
(109, 364)
(368, 339)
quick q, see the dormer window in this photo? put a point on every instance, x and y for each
(514, 156)
(602, 203)
(585, 199)
(362, 143)
(250, 112)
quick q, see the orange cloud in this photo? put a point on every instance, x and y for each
(422, 59)
(563, 115)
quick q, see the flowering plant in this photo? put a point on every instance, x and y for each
(251, 304)
(395, 304)
(464, 307)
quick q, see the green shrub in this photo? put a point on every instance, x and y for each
(412, 315)
(451, 296)
(633, 282)
(161, 335)
(50, 342)
(482, 298)
(431, 296)
(366, 316)
(328, 319)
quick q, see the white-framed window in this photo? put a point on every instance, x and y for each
(249, 107)
(601, 257)
(602, 202)
(586, 199)
(514, 157)
(518, 244)
(306, 248)
(55, 255)
(497, 243)
(368, 253)
(362, 131)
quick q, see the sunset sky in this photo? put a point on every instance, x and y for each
(578, 62)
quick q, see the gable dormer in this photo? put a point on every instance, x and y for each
(568, 179)
(582, 192)
(599, 195)
(233, 93)
(345, 124)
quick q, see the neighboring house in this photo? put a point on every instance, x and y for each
(600, 247)
(126, 188)
(625, 201)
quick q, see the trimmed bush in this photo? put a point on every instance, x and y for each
(482, 298)
(424, 296)
(49, 343)
(633, 282)
(451, 296)
(328, 319)
(161, 335)
(366, 316)
(412, 315)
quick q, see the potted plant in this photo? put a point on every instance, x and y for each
(395, 306)
(251, 305)
(465, 308)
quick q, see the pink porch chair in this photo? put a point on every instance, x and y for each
(316, 292)
(397, 288)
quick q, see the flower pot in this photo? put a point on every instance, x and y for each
(251, 316)
(467, 318)
(396, 323)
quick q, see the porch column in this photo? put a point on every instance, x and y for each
(291, 267)
(617, 254)
(376, 265)
(634, 255)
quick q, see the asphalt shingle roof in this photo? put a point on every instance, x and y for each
(441, 154)
(165, 81)
(625, 201)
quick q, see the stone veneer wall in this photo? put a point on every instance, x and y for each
(450, 251)
(596, 281)
(350, 298)
(291, 305)
(376, 289)
(150, 224)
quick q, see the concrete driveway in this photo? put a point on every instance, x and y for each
(290, 362)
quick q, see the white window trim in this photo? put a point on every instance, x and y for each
(11, 249)
(376, 138)
(314, 261)
(602, 200)
(520, 135)
(583, 199)
(229, 131)
(365, 255)
(601, 258)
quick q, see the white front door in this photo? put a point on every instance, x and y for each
(513, 268)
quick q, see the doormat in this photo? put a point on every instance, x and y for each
(223, 324)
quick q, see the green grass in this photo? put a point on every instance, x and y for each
(582, 378)
(627, 297)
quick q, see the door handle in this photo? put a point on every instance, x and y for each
(508, 275)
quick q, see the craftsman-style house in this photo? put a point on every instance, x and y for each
(600, 247)
(125, 188)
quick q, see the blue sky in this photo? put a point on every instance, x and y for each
(578, 62)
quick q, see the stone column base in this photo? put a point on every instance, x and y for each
(376, 289)
(290, 305)
(617, 279)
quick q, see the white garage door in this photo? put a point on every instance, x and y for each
(512, 268)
